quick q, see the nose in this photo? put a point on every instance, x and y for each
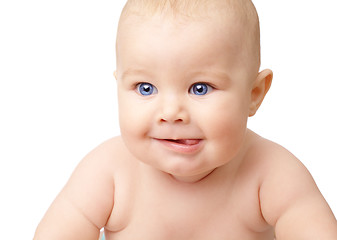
(173, 110)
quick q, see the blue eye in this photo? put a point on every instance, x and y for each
(146, 89)
(200, 89)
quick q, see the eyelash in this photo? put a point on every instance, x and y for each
(195, 85)
(151, 89)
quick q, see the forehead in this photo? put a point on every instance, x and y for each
(140, 39)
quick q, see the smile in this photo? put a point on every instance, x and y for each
(187, 146)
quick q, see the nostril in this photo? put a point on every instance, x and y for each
(175, 121)
(173, 114)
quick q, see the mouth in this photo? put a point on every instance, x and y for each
(187, 146)
(184, 141)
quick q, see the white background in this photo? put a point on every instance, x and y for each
(58, 94)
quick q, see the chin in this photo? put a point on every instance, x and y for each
(188, 171)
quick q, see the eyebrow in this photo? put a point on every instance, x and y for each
(213, 73)
(217, 74)
(132, 71)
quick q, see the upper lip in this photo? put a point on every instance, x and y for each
(177, 139)
(180, 139)
(182, 145)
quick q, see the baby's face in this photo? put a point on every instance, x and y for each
(184, 92)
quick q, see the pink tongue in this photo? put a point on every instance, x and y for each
(188, 141)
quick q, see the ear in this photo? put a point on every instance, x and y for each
(259, 90)
(115, 74)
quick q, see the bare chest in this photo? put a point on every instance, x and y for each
(156, 210)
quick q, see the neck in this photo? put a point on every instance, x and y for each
(193, 179)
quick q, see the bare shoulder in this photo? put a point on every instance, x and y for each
(107, 149)
(283, 178)
(91, 186)
(85, 203)
(289, 197)
(101, 162)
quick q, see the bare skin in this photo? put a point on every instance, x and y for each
(186, 166)
(237, 201)
(222, 205)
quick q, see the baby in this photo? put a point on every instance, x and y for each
(185, 166)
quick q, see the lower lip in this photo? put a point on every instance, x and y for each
(179, 147)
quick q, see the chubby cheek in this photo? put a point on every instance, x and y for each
(226, 127)
(130, 120)
(134, 124)
(130, 127)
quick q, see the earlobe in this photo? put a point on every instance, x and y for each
(259, 90)
(115, 75)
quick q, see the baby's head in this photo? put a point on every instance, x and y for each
(188, 78)
(235, 20)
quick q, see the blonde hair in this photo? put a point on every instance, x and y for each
(242, 10)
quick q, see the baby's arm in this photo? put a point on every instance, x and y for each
(291, 201)
(84, 205)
